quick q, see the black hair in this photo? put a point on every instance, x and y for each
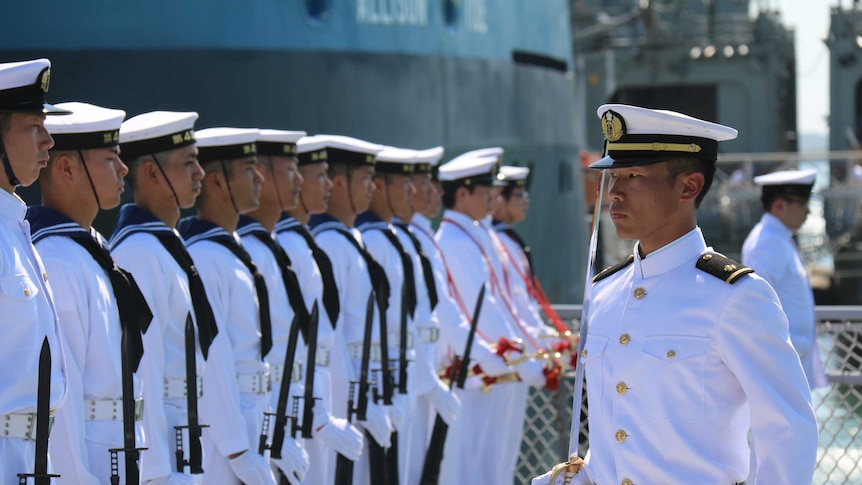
(449, 190)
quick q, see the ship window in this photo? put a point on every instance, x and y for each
(319, 9)
(450, 13)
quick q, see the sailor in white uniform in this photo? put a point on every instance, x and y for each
(769, 249)
(351, 168)
(686, 349)
(276, 154)
(472, 260)
(83, 176)
(159, 148)
(314, 272)
(29, 316)
(237, 292)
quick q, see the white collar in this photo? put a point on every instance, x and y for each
(670, 256)
(12, 206)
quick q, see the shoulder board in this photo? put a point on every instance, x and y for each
(613, 269)
(722, 267)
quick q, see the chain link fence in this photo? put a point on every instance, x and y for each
(838, 406)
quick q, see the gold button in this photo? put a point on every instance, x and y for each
(26, 292)
(621, 436)
(625, 339)
(707, 257)
(640, 293)
(584, 354)
(671, 354)
(622, 388)
(626, 482)
(45, 276)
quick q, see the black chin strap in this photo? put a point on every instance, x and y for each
(167, 180)
(227, 181)
(7, 167)
(90, 178)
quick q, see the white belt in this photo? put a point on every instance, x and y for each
(110, 409)
(276, 371)
(254, 383)
(428, 334)
(175, 387)
(356, 351)
(322, 359)
(22, 426)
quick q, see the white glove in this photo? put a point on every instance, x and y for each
(445, 402)
(252, 469)
(493, 365)
(378, 424)
(173, 479)
(342, 437)
(532, 372)
(293, 462)
(399, 410)
(579, 479)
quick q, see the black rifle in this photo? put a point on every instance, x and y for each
(311, 360)
(392, 454)
(130, 450)
(382, 469)
(344, 466)
(194, 427)
(40, 473)
(434, 455)
(281, 417)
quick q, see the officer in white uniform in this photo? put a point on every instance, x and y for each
(159, 148)
(29, 316)
(83, 176)
(233, 408)
(686, 349)
(769, 250)
(472, 260)
(314, 272)
(276, 153)
(351, 168)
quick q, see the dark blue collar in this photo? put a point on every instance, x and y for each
(248, 226)
(133, 219)
(322, 222)
(369, 220)
(46, 222)
(193, 229)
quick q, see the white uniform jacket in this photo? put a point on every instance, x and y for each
(680, 365)
(135, 246)
(28, 318)
(90, 322)
(281, 313)
(234, 416)
(770, 250)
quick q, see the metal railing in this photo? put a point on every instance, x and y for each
(838, 406)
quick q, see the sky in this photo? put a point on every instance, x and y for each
(810, 21)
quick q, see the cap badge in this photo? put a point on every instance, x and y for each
(613, 126)
(45, 79)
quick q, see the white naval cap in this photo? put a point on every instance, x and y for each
(427, 160)
(472, 170)
(278, 142)
(349, 150)
(311, 150)
(787, 183)
(513, 176)
(157, 131)
(89, 126)
(395, 160)
(640, 136)
(23, 86)
(226, 143)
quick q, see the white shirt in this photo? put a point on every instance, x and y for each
(165, 286)
(680, 365)
(232, 296)
(769, 250)
(28, 315)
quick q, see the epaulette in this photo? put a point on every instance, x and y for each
(722, 267)
(613, 269)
